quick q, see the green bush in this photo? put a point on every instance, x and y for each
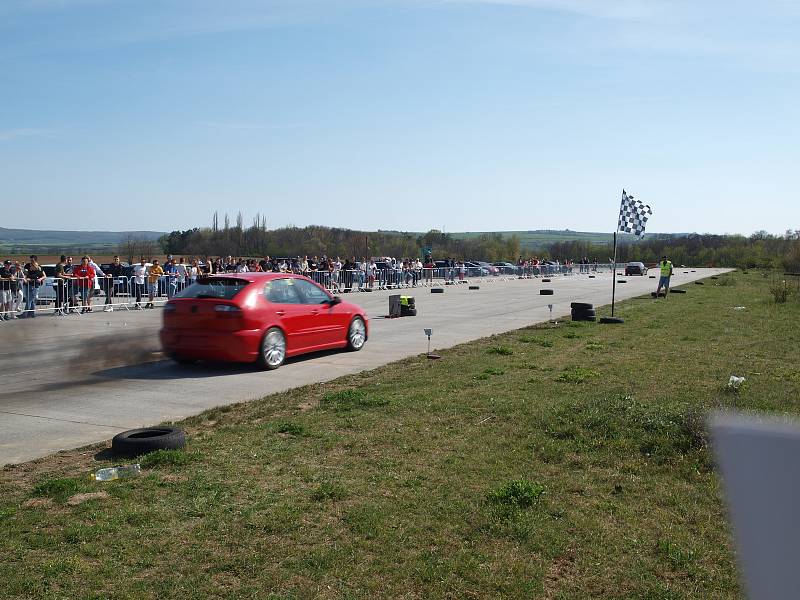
(502, 350)
(58, 489)
(780, 292)
(290, 428)
(328, 491)
(577, 375)
(519, 493)
(161, 458)
(493, 371)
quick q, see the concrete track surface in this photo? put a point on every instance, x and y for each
(75, 380)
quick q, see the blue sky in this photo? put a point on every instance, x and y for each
(400, 114)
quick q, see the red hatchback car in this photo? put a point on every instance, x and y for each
(263, 317)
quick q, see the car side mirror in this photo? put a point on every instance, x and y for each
(334, 301)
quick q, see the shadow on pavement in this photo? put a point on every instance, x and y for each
(167, 369)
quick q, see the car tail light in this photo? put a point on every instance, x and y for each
(227, 310)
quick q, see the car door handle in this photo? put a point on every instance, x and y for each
(280, 313)
(314, 312)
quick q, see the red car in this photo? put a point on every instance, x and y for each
(258, 317)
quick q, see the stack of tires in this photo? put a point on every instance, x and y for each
(582, 311)
(408, 306)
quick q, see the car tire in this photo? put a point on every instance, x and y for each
(357, 333)
(272, 353)
(437, 290)
(611, 320)
(677, 291)
(183, 360)
(581, 306)
(474, 287)
(136, 442)
(622, 281)
(545, 280)
(545, 292)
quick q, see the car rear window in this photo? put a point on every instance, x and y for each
(221, 288)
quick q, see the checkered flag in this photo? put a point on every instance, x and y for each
(632, 215)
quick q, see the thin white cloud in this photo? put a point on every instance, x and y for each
(754, 36)
(7, 135)
(624, 10)
(244, 126)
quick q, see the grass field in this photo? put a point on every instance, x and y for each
(558, 461)
(538, 240)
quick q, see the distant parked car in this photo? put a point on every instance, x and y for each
(488, 266)
(475, 269)
(506, 268)
(635, 268)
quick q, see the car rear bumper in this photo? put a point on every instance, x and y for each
(229, 346)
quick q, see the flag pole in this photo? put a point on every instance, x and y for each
(614, 275)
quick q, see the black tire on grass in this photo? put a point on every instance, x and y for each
(678, 291)
(136, 442)
(587, 312)
(611, 320)
(699, 283)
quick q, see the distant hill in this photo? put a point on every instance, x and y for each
(15, 241)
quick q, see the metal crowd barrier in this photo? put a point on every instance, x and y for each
(63, 296)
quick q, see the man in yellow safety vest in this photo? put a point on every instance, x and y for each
(666, 272)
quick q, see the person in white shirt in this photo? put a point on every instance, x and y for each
(182, 272)
(372, 272)
(98, 272)
(337, 267)
(139, 274)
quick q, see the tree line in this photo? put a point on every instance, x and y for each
(256, 240)
(760, 250)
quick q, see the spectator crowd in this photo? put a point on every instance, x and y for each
(75, 284)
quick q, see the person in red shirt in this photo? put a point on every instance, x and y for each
(84, 273)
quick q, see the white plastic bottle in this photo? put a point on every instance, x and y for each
(116, 472)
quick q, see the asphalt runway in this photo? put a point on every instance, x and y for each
(76, 380)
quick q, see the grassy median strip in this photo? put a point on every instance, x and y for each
(558, 461)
